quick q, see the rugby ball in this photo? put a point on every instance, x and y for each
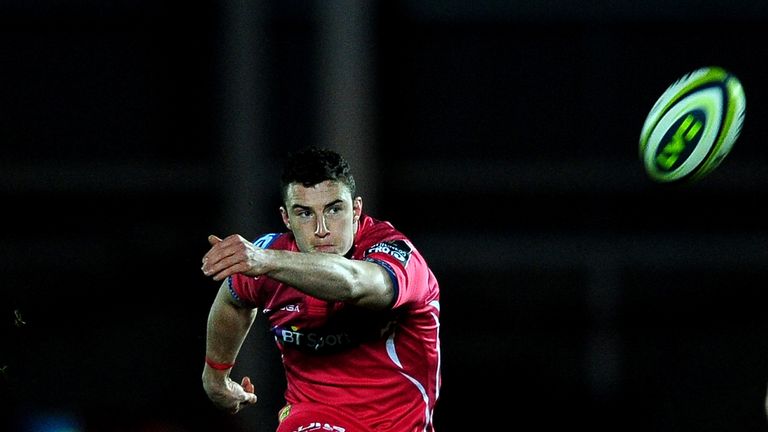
(692, 126)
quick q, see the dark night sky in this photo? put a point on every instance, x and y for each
(574, 289)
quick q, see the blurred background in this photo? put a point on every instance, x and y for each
(501, 136)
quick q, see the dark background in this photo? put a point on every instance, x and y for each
(500, 136)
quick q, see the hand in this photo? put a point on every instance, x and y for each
(232, 397)
(232, 255)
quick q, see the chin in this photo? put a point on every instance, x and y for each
(326, 249)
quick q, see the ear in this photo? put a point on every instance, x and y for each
(357, 208)
(284, 216)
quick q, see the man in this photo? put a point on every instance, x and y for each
(353, 306)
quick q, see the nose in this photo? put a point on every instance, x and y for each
(322, 229)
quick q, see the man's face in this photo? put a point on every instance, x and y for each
(323, 217)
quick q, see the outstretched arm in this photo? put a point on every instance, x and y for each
(228, 325)
(327, 276)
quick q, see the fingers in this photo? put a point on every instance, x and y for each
(226, 257)
(250, 390)
(211, 260)
(224, 268)
(221, 248)
(247, 385)
(248, 397)
(213, 241)
(240, 405)
(237, 396)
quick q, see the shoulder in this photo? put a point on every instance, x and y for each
(373, 231)
(382, 238)
(282, 240)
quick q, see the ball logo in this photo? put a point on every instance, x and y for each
(681, 139)
(692, 126)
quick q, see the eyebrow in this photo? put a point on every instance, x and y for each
(330, 204)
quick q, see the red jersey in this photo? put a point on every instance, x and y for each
(381, 367)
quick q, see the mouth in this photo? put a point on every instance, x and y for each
(325, 248)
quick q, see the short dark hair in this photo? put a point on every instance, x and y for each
(312, 165)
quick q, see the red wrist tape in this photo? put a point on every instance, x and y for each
(217, 365)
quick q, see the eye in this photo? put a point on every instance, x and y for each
(335, 210)
(304, 214)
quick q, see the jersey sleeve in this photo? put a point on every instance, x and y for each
(405, 268)
(241, 289)
(245, 290)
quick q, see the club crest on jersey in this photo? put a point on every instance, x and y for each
(396, 248)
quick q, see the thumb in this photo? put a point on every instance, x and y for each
(212, 239)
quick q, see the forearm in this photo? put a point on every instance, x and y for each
(228, 325)
(332, 277)
(227, 328)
